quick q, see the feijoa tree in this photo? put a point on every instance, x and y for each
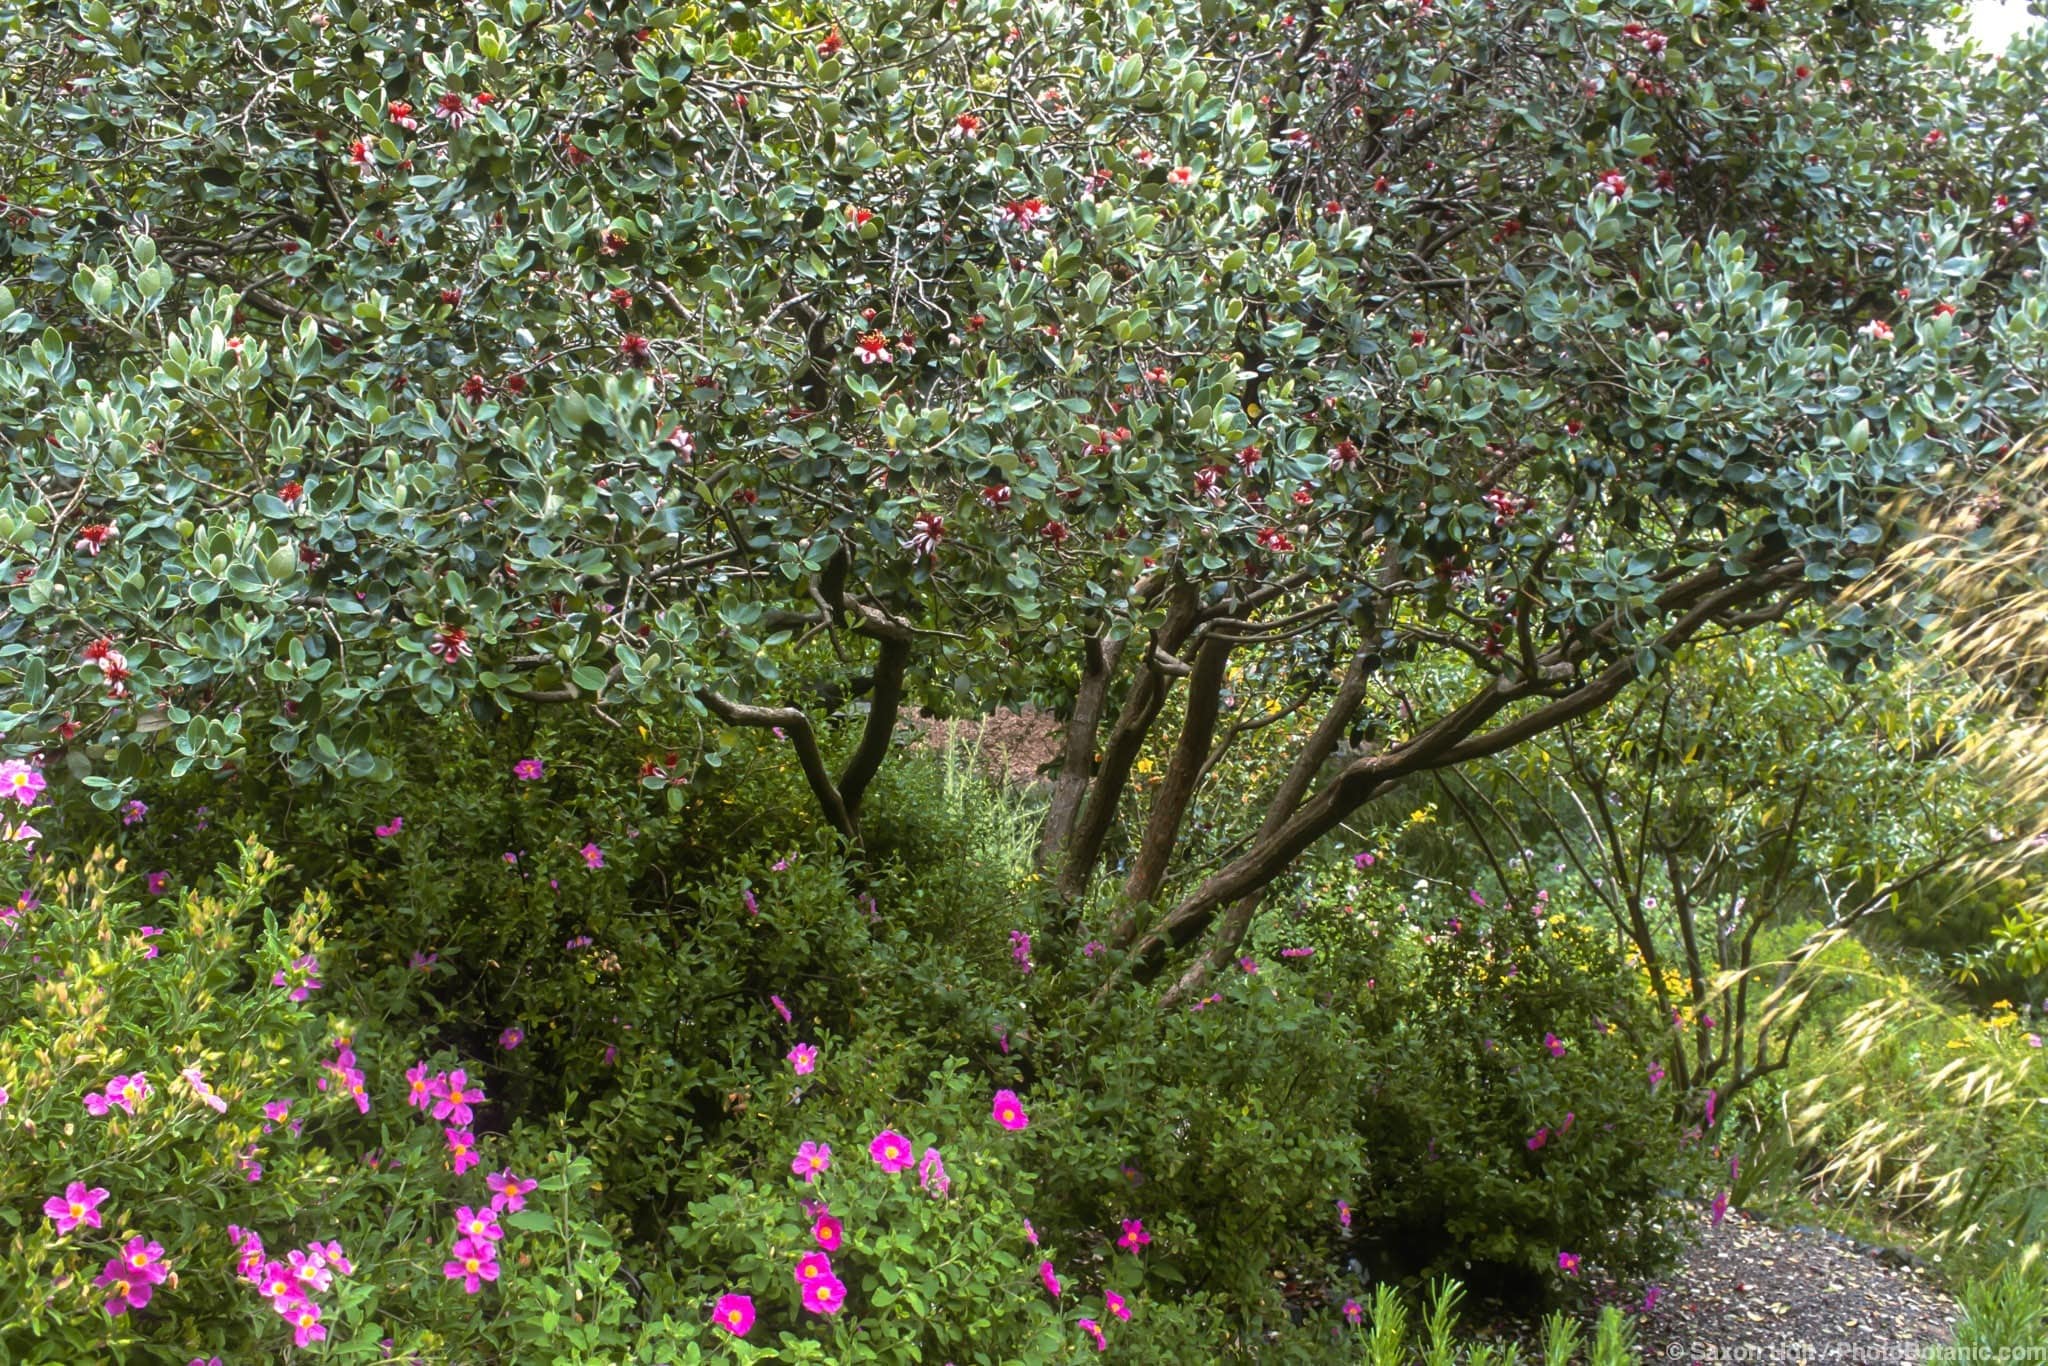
(645, 356)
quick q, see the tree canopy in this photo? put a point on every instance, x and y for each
(673, 357)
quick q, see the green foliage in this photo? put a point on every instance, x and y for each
(2002, 1313)
(534, 354)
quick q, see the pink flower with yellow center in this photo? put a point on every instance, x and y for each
(891, 1152)
(1008, 1111)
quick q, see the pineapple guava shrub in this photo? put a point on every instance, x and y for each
(200, 1157)
(1511, 1109)
(682, 358)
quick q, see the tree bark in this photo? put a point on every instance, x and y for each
(883, 705)
(1133, 722)
(1229, 934)
(797, 727)
(1177, 788)
(1099, 659)
(1454, 739)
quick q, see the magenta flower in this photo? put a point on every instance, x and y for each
(472, 1262)
(133, 811)
(1030, 1234)
(304, 1317)
(529, 770)
(891, 1152)
(1050, 1277)
(803, 1059)
(461, 1149)
(155, 883)
(1249, 965)
(1297, 953)
(1651, 1294)
(77, 1205)
(303, 977)
(424, 962)
(1094, 1330)
(1008, 1111)
(931, 1173)
(827, 1232)
(1343, 1214)
(812, 1267)
(1554, 1044)
(1020, 949)
(825, 1295)
(1361, 860)
(481, 1224)
(420, 1085)
(1114, 1303)
(1134, 1235)
(1568, 1263)
(385, 832)
(511, 1037)
(1537, 1139)
(1713, 1099)
(1720, 1209)
(508, 1192)
(735, 1314)
(21, 781)
(1656, 1075)
(811, 1159)
(593, 857)
(780, 1008)
(208, 1097)
(454, 1096)
(1354, 1312)
(131, 1278)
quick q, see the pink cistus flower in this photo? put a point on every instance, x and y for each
(827, 1232)
(508, 1192)
(511, 1038)
(78, 1206)
(1008, 1111)
(734, 1313)
(1030, 1234)
(479, 1223)
(803, 1059)
(931, 1173)
(391, 828)
(131, 1278)
(529, 770)
(208, 1097)
(123, 1092)
(892, 1152)
(1050, 1278)
(781, 1009)
(826, 1295)
(1537, 1139)
(155, 883)
(1568, 1263)
(1296, 953)
(1134, 1236)
(811, 1160)
(1114, 1304)
(1343, 1214)
(812, 1266)
(303, 977)
(453, 1097)
(1713, 1099)
(1651, 1294)
(1094, 1330)
(1554, 1044)
(471, 1261)
(1361, 860)
(420, 1086)
(1020, 950)
(593, 857)
(461, 1149)
(1720, 1208)
(1354, 1313)
(134, 811)
(21, 782)
(1656, 1075)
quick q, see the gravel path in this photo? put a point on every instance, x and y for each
(1752, 1292)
